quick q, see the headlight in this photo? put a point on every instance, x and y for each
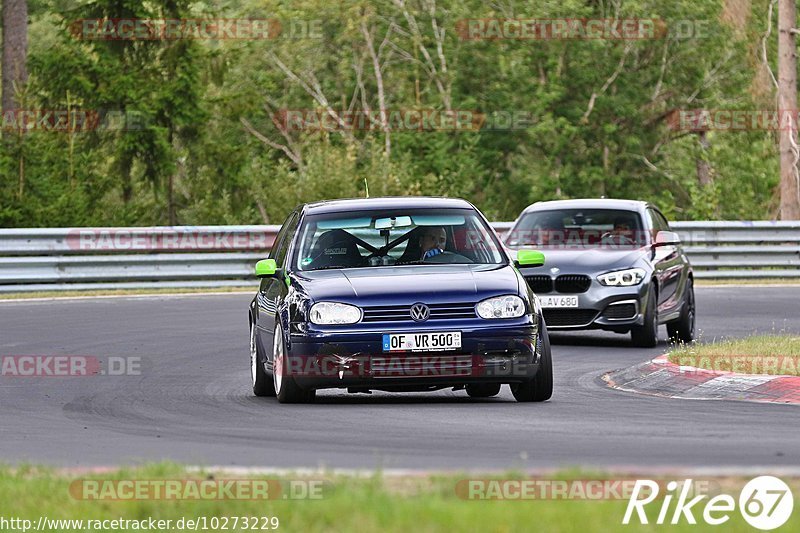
(622, 278)
(334, 313)
(501, 307)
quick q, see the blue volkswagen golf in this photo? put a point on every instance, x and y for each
(395, 294)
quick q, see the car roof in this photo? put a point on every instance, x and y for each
(386, 202)
(589, 203)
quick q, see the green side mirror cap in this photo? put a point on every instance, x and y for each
(266, 267)
(530, 258)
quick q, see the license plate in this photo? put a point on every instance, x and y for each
(421, 342)
(558, 301)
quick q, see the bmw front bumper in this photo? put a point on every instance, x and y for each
(600, 307)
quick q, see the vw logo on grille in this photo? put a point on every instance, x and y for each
(420, 312)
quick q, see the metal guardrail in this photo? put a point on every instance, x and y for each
(220, 256)
(83, 241)
(751, 249)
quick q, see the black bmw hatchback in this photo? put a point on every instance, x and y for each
(612, 265)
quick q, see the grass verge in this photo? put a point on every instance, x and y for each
(377, 503)
(759, 354)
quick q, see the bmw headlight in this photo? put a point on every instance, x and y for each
(501, 307)
(334, 313)
(622, 278)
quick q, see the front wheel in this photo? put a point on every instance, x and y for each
(646, 335)
(286, 388)
(683, 329)
(262, 384)
(540, 388)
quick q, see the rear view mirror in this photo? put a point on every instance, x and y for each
(393, 222)
(667, 238)
(266, 267)
(530, 258)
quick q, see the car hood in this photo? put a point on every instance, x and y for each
(410, 284)
(587, 260)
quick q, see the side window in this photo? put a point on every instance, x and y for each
(657, 222)
(652, 221)
(284, 238)
(664, 225)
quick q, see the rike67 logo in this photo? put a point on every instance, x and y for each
(765, 503)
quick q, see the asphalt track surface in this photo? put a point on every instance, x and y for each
(192, 402)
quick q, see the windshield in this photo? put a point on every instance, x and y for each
(399, 237)
(579, 228)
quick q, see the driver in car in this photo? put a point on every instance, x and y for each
(433, 241)
(621, 234)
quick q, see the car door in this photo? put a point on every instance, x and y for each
(272, 290)
(668, 264)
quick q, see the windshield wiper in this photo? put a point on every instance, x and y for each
(329, 267)
(420, 262)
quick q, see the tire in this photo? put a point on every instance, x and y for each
(262, 382)
(286, 388)
(683, 329)
(540, 388)
(646, 336)
(483, 390)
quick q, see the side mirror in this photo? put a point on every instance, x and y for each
(530, 258)
(266, 268)
(667, 238)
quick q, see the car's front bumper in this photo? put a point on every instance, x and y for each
(353, 358)
(600, 307)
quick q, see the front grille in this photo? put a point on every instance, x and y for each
(566, 283)
(570, 283)
(620, 311)
(568, 317)
(397, 313)
(540, 284)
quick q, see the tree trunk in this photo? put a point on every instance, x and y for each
(14, 67)
(606, 167)
(787, 110)
(15, 50)
(171, 214)
(124, 164)
(703, 169)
